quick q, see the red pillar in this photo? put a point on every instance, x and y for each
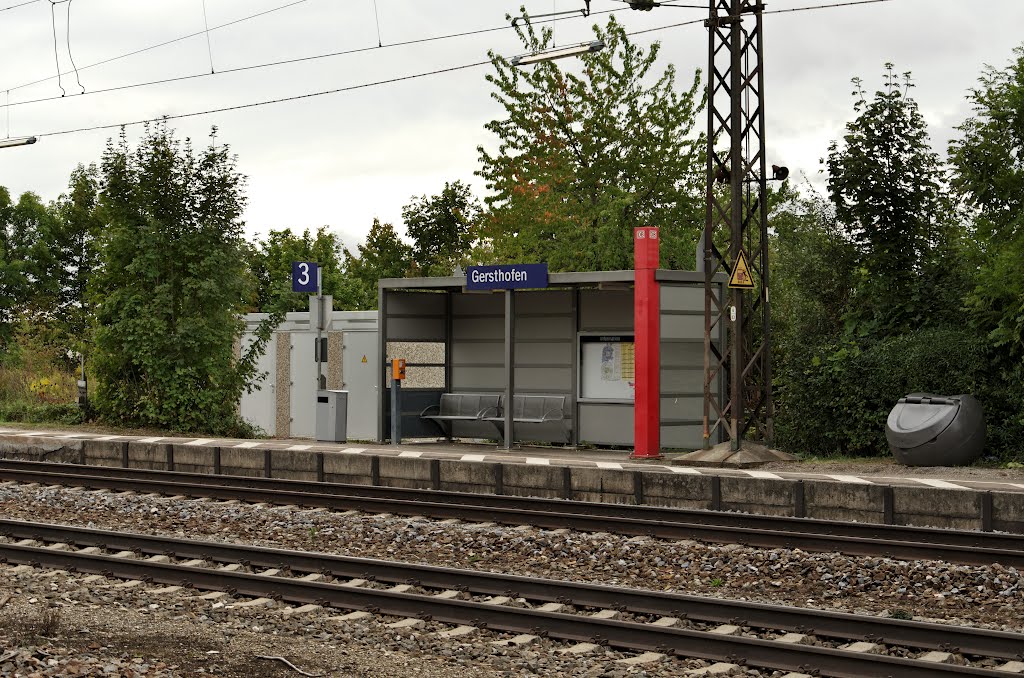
(647, 356)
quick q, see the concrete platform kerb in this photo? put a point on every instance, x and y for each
(988, 503)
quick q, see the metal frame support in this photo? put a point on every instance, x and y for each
(510, 369)
(736, 220)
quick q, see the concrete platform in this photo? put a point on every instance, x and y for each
(981, 499)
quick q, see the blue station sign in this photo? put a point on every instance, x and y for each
(506, 277)
(304, 277)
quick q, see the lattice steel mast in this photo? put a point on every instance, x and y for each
(737, 220)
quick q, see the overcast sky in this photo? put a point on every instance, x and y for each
(342, 159)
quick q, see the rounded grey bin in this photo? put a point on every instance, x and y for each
(930, 430)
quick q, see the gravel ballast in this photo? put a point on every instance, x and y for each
(182, 635)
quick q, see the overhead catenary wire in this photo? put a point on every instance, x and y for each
(20, 4)
(373, 83)
(268, 102)
(285, 62)
(165, 43)
(71, 56)
(209, 47)
(56, 58)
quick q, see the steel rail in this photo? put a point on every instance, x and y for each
(967, 640)
(907, 543)
(612, 632)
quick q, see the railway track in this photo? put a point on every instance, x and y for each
(766, 636)
(860, 539)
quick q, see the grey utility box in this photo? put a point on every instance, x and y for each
(930, 430)
(332, 416)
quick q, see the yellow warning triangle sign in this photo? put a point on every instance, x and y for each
(364, 358)
(740, 278)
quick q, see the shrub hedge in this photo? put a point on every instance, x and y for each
(833, 400)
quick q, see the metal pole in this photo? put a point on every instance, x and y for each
(396, 411)
(737, 174)
(510, 370)
(320, 385)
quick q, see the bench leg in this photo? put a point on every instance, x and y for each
(501, 432)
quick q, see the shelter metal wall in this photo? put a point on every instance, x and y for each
(547, 330)
(682, 366)
(410, 317)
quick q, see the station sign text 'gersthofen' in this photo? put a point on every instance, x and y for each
(506, 277)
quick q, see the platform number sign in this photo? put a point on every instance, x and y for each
(304, 276)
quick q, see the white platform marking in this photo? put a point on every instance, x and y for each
(538, 461)
(353, 450)
(107, 438)
(200, 441)
(473, 457)
(851, 479)
(35, 433)
(685, 470)
(608, 465)
(298, 448)
(150, 440)
(763, 474)
(248, 445)
(414, 455)
(938, 483)
(73, 435)
(1020, 487)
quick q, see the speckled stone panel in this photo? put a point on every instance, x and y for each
(419, 352)
(335, 359)
(283, 422)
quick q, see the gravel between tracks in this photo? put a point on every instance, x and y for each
(180, 632)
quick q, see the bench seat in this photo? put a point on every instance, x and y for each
(465, 411)
(538, 415)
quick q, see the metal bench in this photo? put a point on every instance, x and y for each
(539, 415)
(463, 413)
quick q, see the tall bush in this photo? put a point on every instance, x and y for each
(171, 287)
(834, 399)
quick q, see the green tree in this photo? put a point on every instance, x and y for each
(443, 229)
(886, 184)
(72, 240)
(988, 162)
(582, 159)
(385, 255)
(172, 286)
(271, 265)
(989, 172)
(813, 266)
(24, 259)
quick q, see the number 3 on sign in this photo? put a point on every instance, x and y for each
(304, 276)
